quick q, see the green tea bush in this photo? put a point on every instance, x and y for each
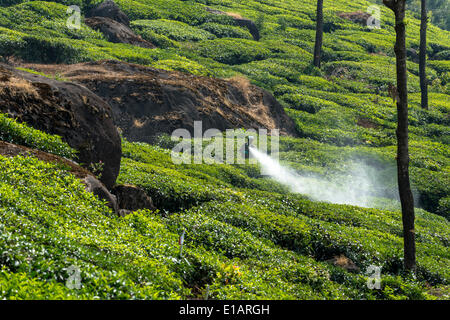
(84, 4)
(45, 50)
(169, 190)
(226, 31)
(444, 207)
(232, 51)
(19, 133)
(371, 42)
(311, 237)
(11, 43)
(158, 40)
(432, 186)
(59, 26)
(5, 3)
(443, 55)
(307, 103)
(317, 128)
(295, 22)
(174, 30)
(247, 237)
(18, 286)
(318, 83)
(276, 67)
(41, 10)
(54, 236)
(136, 10)
(440, 66)
(188, 12)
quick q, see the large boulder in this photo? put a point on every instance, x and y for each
(239, 21)
(359, 17)
(67, 109)
(117, 32)
(250, 25)
(109, 9)
(92, 184)
(132, 198)
(147, 102)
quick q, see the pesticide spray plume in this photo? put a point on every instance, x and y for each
(353, 188)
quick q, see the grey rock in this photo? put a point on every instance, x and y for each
(132, 198)
(97, 188)
(117, 32)
(80, 117)
(109, 9)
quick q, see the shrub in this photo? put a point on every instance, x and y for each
(444, 207)
(232, 51)
(18, 133)
(158, 40)
(170, 191)
(440, 66)
(275, 67)
(226, 31)
(5, 3)
(443, 55)
(45, 50)
(11, 43)
(174, 30)
(45, 233)
(19, 286)
(289, 21)
(318, 83)
(247, 237)
(136, 10)
(307, 103)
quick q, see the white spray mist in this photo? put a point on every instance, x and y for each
(354, 188)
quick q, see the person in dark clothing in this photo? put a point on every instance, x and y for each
(246, 147)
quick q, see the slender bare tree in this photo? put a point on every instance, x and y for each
(406, 196)
(319, 34)
(423, 54)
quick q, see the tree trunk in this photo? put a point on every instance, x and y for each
(423, 55)
(406, 197)
(319, 34)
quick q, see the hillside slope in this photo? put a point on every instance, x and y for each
(346, 103)
(148, 102)
(247, 237)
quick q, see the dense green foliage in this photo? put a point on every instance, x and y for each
(19, 133)
(242, 241)
(174, 30)
(438, 12)
(246, 236)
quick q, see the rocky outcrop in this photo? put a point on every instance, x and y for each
(412, 54)
(250, 25)
(92, 184)
(239, 21)
(147, 102)
(132, 198)
(117, 32)
(109, 9)
(67, 109)
(359, 17)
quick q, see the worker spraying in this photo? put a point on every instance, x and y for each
(245, 150)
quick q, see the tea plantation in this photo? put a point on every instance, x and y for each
(246, 236)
